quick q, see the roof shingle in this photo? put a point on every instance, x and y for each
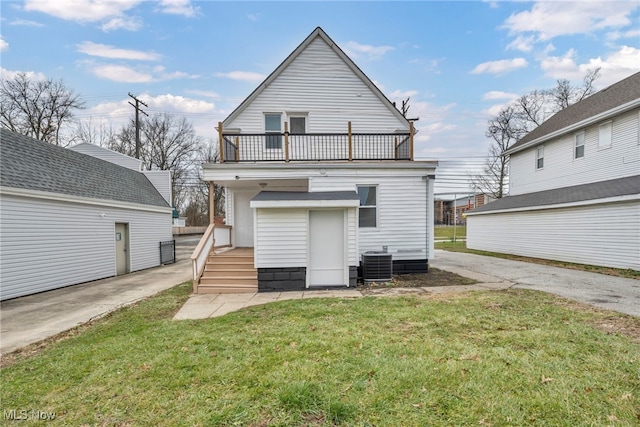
(618, 94)
(35, 165)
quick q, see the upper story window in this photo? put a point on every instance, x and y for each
(578, 152)
(604, 135)
(297, 124)
(368, 211)
(273, 124)
(540, 157)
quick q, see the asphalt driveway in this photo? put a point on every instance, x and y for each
(609, 292)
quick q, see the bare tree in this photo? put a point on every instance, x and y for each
(197, 210)
(90, 132)
(37, 108)
(519, 118)
(504, 131)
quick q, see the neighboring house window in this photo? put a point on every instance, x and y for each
(540, 157)
(604, 135)
(272, 125)
(368, 211)
(297, 125)
(579, 150)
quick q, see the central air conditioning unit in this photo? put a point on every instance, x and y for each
(377, 267)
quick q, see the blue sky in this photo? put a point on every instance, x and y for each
(459, 61)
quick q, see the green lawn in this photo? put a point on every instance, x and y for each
(483, 358)
(446, 232)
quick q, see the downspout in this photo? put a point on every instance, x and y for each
(428, 219)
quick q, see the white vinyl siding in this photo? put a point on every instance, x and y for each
(580, 234)
(320, 83)
(620, 160)
(108, 155)
(51, 244)
(162, 181)
(402, 211)
(281, 237)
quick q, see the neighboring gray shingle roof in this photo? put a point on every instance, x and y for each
(300, 195)
(620, 93)
(35, 165)
(598, 190)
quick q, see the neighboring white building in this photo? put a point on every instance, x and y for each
(68, 218)
(318, 169)
(574, 186)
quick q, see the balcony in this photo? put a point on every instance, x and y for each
(311, 147)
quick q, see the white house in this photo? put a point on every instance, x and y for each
(318, 169)
(68, 218)
(574, 186)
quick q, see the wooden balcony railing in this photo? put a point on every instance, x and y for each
(264, 147)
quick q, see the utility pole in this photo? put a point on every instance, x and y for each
(138, 110)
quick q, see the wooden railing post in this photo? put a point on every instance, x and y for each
(411, 132)
(212, 203)
(350, 141)
(221, 152)
(237, 149)
(286, 141)
(395, 148)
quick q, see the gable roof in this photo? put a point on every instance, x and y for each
(318, 32)
(626, 186)
(615, 99)
(29, 164)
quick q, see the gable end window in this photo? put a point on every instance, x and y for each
(273, 130)
(368, 211)
(578, 152)
(604, 135)
(540, 157)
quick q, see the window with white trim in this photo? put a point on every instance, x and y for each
(297, 125)
(578, 152)
(368, 210)
(273, 125)
(604, 135)
(540, 157)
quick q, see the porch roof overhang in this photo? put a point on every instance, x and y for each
(301, 199)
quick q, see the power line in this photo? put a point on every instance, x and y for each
(138, 110)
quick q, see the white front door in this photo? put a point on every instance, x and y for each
(243, 219)
(327, 262)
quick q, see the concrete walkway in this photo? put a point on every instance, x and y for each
(203, 306)
(609, 292)
(33, 318)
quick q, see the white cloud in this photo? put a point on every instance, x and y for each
(496, 94)
(31, 75)
(179, 7)
(521, 43)
(176, 103)
(106, 51)
(500, 67)
(616, 35)
(121, 73)
(354, 49)
(25, 23)
(125, 74)
(247, 76)
(81, 10)
(549, 19)
(128, 23)
(4, 46)
(253, 17)
(402, 94)
(614, 67)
